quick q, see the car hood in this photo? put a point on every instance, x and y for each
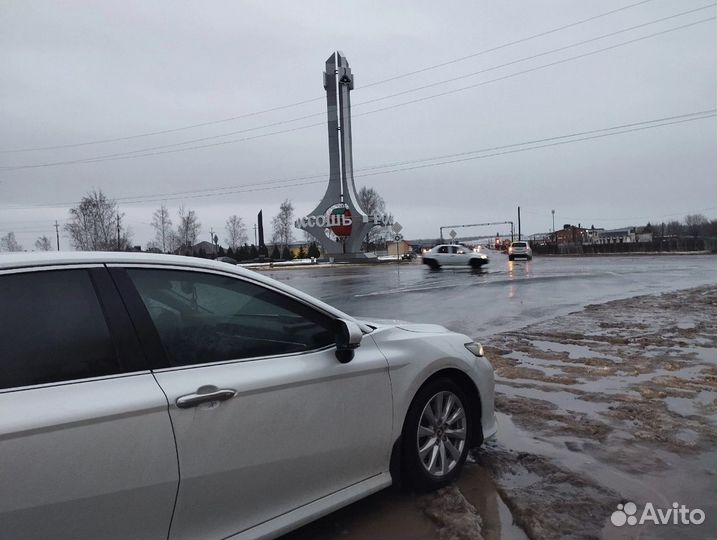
(419, 328)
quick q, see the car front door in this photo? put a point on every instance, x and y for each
(86, 444)
(266, 418)
(442, 255)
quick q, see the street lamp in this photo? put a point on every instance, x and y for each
(553, 212)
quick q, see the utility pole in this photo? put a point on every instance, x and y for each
(118, 231)
(215, 240)
(254, 233)
(519, 237)
(553, 212)
(57, 233)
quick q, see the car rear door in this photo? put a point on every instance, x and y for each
(267, 420)
(86, 445)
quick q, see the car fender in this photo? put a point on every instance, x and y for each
(413, 359)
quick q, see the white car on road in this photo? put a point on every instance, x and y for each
(520, 249)
(156, 396)
(454, 255)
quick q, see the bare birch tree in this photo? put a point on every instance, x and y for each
(43, 244)
(694, 223)
(283, 224)
(372, 203)
(189, 227)
(96, 224)
(9, 243)
(236, 232)
(162, 225)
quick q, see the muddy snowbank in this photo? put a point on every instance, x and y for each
(616, 402)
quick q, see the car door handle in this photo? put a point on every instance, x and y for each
(215, 394)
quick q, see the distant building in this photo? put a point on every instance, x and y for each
(570, 234)
(617, 236)
(294, 248)
(592, 234)
(626, 235)
(205, 247)
(399, 248)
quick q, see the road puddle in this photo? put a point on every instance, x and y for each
(471, 508)
(478, 487)
(390, 513)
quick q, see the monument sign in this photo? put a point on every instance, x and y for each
(338, 223)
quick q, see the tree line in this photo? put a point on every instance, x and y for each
(694, 225)
(96, 224)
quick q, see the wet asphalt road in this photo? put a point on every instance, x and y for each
(504, 296)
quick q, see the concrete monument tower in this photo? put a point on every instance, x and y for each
(338, 223)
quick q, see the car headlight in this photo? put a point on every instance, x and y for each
(476, 348)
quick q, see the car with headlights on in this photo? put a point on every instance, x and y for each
(158, 396)
(454, 255)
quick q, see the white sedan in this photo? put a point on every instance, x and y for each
(454, 255)
(155, 396)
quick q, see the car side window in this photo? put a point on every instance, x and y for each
(202, 317)
(454, 249)
(443, 249)
(52, 329)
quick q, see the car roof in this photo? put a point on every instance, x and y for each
(10, 261)
(51, 258)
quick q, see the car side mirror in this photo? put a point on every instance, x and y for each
(348, 338)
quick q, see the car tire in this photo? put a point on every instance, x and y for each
(436, 435)
(511, 258)
(529, 257)
(433, 264)
(475, 263)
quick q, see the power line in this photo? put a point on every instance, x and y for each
(631, 217)
(537, 68)
(164, 131)
(516, 42)
(146, 152)
(538, 55)
(558, 143)
(421, 163)
(321, 98)
(408, 91)
(216, 190)
(701, 114)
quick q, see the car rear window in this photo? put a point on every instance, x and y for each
(519, 244)
(52, 329)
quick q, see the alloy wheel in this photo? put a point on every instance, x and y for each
(441, 434)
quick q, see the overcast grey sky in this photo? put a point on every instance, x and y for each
(78, 72)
